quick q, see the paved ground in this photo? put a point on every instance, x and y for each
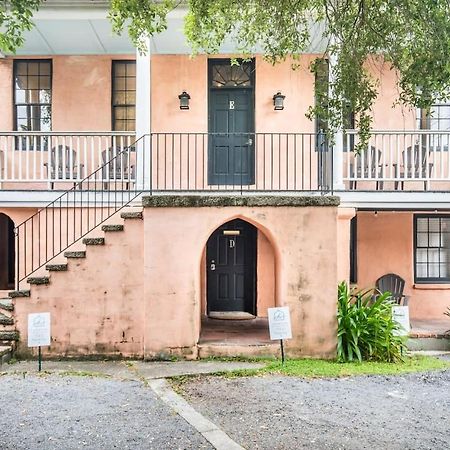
(407, 412)
(55, 412)
(119, 408)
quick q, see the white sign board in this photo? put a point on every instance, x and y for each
(280, 323)
(401, 315)
(38, 329)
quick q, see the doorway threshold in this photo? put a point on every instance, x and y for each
(231, 315)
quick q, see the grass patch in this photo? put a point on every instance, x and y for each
(317, 368)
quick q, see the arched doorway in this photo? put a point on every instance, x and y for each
(7, 252)
(231, 268)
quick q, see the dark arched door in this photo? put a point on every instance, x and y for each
(7, 252)
(231, 268)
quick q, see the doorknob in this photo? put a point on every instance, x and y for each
(249, 142)
(213, 265)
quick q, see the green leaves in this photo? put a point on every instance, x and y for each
(15, 18)
(142, 18)
(366, 330)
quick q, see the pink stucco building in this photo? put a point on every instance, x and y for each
(148, 202)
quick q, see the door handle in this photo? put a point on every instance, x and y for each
(212, 266)
(249, 142)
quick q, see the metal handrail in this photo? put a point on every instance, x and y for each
(103, 203)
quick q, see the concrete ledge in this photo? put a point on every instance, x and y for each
(56, 267)
(131, 215)
(7, 304)
(9, 335)
(198, 201)
(5, 320)
(16, 294)
(76, 254)
(112, 228)
(38, 280)
(94, 241)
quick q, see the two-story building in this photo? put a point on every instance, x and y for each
(159, 204)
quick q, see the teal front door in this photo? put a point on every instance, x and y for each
(231, 152)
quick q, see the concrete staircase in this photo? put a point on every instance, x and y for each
(69, 262)
(8, 334)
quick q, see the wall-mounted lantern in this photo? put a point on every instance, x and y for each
(278, 101)
(184, 100)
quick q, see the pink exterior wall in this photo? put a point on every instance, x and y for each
(385, 245)
(304, 241)
(96, 306)
(81, 88)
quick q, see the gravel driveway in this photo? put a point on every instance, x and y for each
(55, 412)
(407, 412)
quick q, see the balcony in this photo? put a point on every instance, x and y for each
(403, 164)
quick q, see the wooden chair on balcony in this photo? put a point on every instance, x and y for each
(116, 167)
(415, 164)
(366, 168)
(63, 165)
(394, 284)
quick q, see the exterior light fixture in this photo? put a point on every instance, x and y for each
(278, 101)
(184, 100)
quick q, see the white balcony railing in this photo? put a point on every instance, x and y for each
(410, 160)
(51, 160)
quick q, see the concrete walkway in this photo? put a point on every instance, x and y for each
(128, 370)
(206, 434)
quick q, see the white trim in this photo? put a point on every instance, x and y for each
(395, 200)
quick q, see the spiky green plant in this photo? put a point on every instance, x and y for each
(366, 329)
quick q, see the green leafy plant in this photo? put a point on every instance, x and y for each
(366, 329)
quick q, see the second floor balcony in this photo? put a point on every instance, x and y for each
(393, 162)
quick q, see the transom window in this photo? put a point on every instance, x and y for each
(224, 74)
(32, 95)
(432, 249)
(124, 96)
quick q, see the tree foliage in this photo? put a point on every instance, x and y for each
(411, 36)
(15, 18)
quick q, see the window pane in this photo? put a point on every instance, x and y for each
(421, 270)
(422, 255)
(44, 69)
(422, 224)
(119, 98)
(119, 84)
(32, 86)
(422, 240)
(434, 224)
(434, 240)
(33, 68)
(131, 113)
(226, 75)
(131, 84)
(119, 69)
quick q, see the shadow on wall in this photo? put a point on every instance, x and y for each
(7, 252)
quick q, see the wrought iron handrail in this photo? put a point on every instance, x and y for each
(78, 211)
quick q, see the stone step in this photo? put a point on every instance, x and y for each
(38, 280)
(432, 343)
(231, 350)
(75, 254)
(5, 320)
(5, 354)
(94, 241)
(9, 336)
(112, 228)
(56, 267)
(132, 215)
(6, 304)
(21, 293)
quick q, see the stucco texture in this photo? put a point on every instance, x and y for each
(386, 245)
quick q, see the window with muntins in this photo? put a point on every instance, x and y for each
(432, 249)
(124, 95)
(32, 95)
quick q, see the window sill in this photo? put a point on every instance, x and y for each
(435, 286)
